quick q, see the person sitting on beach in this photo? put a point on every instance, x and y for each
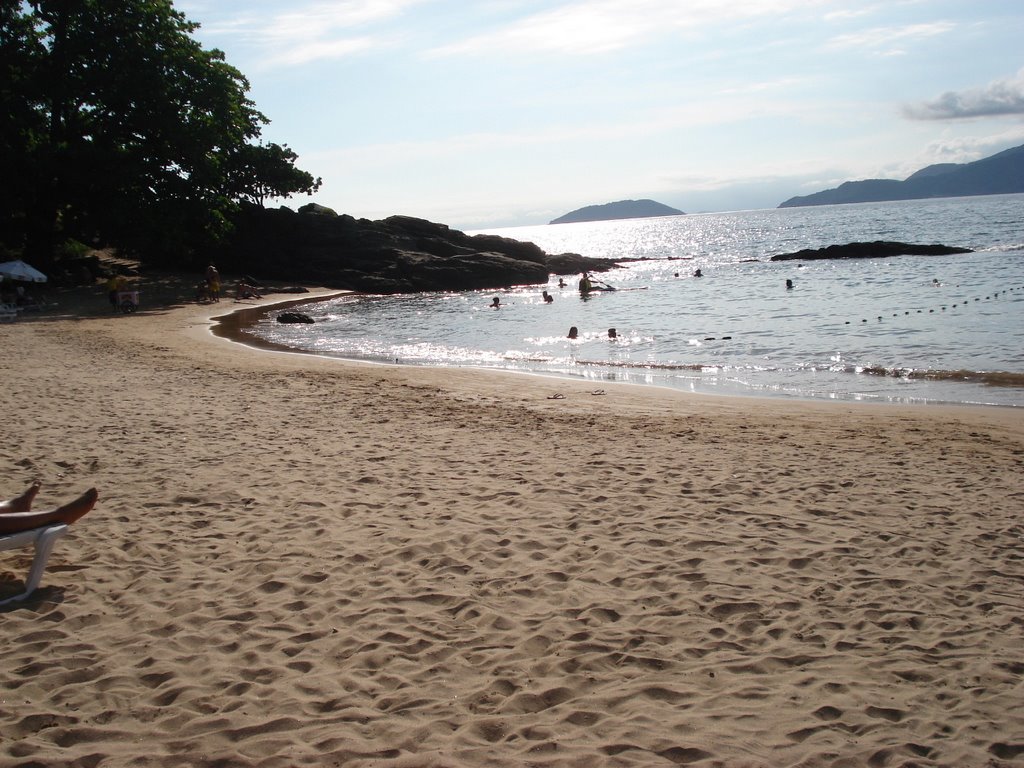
(548, 298)
(246, 291)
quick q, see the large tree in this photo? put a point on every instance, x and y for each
(119, 125)
(23, 126)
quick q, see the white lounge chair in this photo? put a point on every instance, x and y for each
(43, 540)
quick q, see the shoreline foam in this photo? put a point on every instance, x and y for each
(303, 561)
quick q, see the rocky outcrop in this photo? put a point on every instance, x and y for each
(874, 250)
(399, 254)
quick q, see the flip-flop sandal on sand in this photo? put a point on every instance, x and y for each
(558, 396)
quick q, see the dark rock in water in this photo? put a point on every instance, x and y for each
(294, 317)
(399, 254)
(875, 250)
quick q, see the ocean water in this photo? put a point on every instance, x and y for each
(909, 329)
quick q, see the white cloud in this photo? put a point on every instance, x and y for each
(598, 26)
(780, 84)
(309, 32)
(965, 149)
(570, 29)
(888, 39)
(319, 50)
(1002, 97)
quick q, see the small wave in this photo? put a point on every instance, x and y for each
(639, 365)
(1008, 248)
(989, 378)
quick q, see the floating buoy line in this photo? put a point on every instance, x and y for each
(944, 307)
(991, 378)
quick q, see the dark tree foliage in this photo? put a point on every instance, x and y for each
(23, 125)
(266, 171)
(118, 127)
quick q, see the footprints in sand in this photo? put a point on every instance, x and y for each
(544, 601)
(885, 713)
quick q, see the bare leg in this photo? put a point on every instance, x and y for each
(76, 509)
(22, 503)
(13, 522)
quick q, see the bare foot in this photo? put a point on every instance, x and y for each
(76, 509)
(22, 503)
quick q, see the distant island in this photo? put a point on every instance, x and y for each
(1000, 174)
(623, 209)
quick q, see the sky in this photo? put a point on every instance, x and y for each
(493, 113)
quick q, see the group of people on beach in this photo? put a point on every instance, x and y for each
(17, 296)
(209, 289)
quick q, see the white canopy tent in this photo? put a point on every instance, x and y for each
(19, 270)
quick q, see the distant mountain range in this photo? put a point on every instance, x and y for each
(623, 209)
(1000, 174)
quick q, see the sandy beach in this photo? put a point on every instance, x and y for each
(297, 561)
